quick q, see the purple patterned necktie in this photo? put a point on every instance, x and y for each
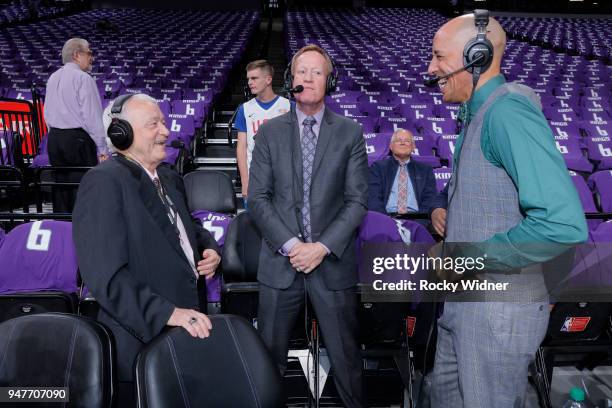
(309, 146)
(402, 187)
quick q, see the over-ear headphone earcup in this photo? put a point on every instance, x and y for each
(120, 133)
(473, 50)
(288, 77)
(332, 81)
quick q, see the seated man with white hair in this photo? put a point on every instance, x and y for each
(398, 184)
(139, 251)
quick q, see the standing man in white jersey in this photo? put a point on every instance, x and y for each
(265, 106)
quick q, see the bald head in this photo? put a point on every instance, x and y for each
(447, 59)
(461, 29)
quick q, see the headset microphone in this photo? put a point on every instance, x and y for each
(433, 81)
(177, 144)
(297, 89)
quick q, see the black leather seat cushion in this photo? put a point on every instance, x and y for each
(59, 350)
(231, 368)
(210, 190)
(240, 258)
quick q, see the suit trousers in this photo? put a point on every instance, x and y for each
(69, 147)
(483, 353)
(336, 312)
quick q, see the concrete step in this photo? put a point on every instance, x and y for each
(220, 141)
(217, 161)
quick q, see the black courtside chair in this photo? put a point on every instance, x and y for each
(59, 350)
(231, 368)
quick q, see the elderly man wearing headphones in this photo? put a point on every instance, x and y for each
(139, 251)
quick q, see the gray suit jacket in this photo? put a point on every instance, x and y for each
(338, 197)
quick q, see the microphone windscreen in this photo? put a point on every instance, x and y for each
(298, 89)
(177, 144)
(431, 82)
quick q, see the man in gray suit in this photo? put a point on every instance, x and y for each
(307, 194)
(511, 198)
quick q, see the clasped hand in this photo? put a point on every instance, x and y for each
(305, 256)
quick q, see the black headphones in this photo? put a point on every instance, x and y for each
(120, 131)
(330, 82)
(478, 52)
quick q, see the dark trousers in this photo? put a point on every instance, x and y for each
(69, 147)
(336, 312)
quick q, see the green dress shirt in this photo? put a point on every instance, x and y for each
(517, 137)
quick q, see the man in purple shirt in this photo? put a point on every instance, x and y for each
(73, 112)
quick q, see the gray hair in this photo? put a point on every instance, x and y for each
(71, 46)
(107, 116)
(136, 97)
(399, 130)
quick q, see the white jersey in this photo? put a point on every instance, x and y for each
(255, 115)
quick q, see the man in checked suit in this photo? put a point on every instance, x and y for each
(307, 194)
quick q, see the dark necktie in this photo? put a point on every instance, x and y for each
(309, 146)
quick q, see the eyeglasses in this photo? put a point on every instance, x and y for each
(88, 52)
(403, 141)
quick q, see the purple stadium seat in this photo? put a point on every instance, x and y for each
(416, 112)
(388, 110)
(565, 130)
(572, 153)
(380, 228)
(442, 175)
(435, 127)
(449, 111)
(42, 158)
(164, 107)
(599, 143)
(391, 124)
(586, 198)
(377, 146)
(170, 94)
(345, 97)
(349, 109)
(182, 125)
(111, 87)
(601, 184)
(136, 90)
(217, 224)
(603, 233)
(7, 147)
(19, 93)
(172, 153)
(423, 151)
(446, 148)
(194, 108)
(38, 256)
